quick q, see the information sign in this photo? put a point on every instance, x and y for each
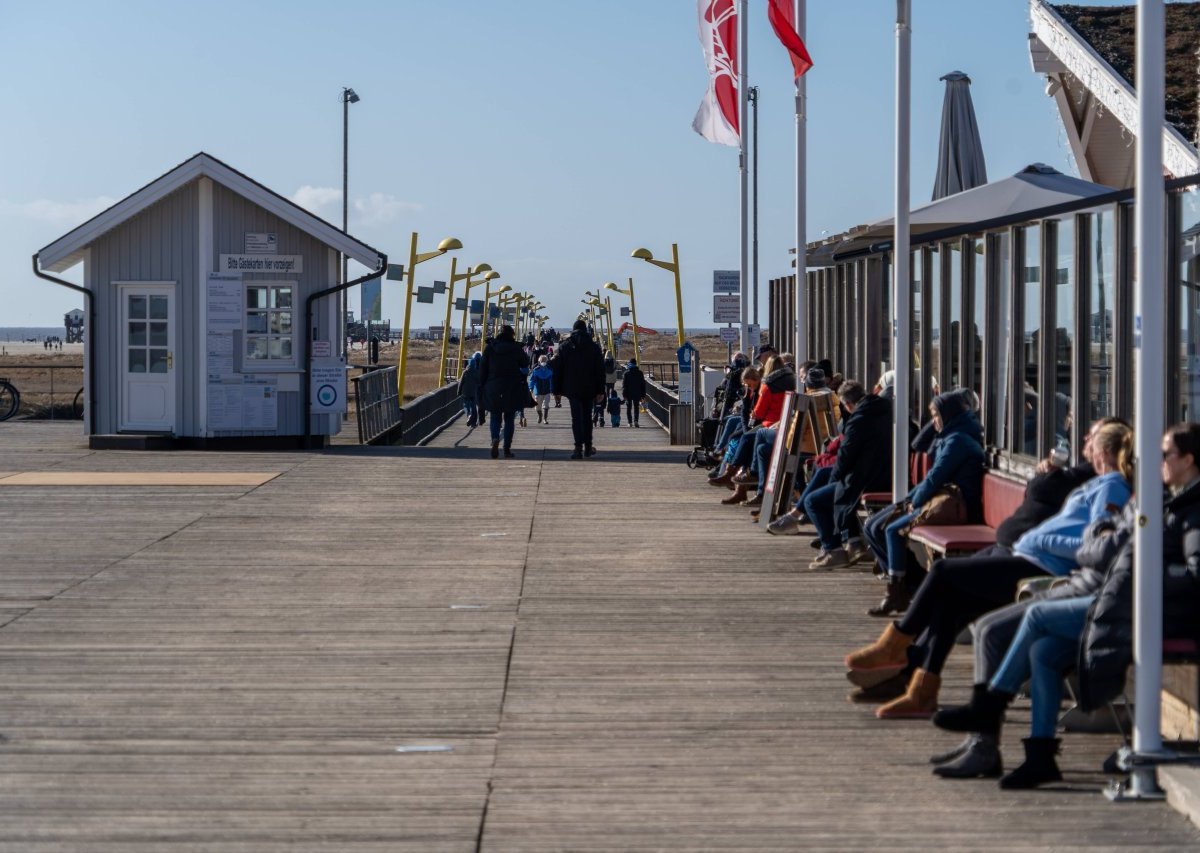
(395, 272)
(730, 335)
(328, 386)
(260, 243)
(372, 300)
(261, 263)
(727, 281)
(726, 309)
(322, 349)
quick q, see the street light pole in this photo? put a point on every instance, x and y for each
(349, 96)
(753, 94)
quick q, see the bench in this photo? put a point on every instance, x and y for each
(918, 466)
(1001, 498)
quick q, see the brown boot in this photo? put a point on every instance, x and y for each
(724, 480)
(888, 652)
(739, 495)
(919, 702)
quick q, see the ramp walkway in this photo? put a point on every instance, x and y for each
(383, 649)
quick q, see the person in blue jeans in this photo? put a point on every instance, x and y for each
(957, 454)
(1047, 643)
(614, 407)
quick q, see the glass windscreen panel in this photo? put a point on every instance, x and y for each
(1064, 331)
(978, 306)
(914, 372)
(1001, 268)
(1189, 307)
(933, 280)
(1101, 294)
(954, 334)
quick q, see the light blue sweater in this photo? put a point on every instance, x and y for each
(1052, 544)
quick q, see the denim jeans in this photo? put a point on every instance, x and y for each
(884, 539)
(509, 426)
(1043, 650)
(819, 478)
(764, 441)
(818, 506)
(733, 426)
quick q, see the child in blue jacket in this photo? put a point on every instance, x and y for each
(614, 407)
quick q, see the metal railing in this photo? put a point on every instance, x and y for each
(658, 401)
(663, 372)
(378, 405)
(429, 414)
(47, 391)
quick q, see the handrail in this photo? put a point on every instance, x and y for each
(29, 389)
(665, 372)
(658, 401)
(378, 406)
(429, 414)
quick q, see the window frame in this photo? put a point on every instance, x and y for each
(270, 365)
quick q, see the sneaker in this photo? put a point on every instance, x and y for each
(859, 553)
(785, 525)
(829, 560)
(589, 451)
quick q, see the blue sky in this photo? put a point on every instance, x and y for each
(551, 136)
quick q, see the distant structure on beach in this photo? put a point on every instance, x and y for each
(73, 322)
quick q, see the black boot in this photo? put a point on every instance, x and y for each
(981, 759)
(495, 450)
(983, 714)
(895, 600)
(957, 752)
(1039, 767)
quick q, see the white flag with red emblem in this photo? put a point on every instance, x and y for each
(717, 118)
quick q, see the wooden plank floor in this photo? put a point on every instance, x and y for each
(614, 660)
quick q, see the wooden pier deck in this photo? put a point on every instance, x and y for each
(424, 649)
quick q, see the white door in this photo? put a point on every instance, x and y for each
(147, 357)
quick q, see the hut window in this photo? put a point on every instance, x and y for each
(269, 324)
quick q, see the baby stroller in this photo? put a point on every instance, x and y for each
(706, 437)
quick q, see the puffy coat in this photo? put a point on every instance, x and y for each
(468, 383)
(633, 385)
(957, 458)
(864, 457)
(541, 380)
(770, 395)
(502, 374)
(578, 367)
(1106, 648)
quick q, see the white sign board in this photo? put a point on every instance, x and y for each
(754, 333)
(727, 281)
(261, 243)
(726, 309)
(322, 349)
(730, 335)
(328, 386)
(224, 302)
(262, 263)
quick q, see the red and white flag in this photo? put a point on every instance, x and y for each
(717, 118)
(782, 15)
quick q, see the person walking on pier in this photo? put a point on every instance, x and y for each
(468, 387)
(541, 381)
(579, 376)
(633, 389)
(502, 375)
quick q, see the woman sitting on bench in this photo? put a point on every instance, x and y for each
(958, 591)
(1046, 645)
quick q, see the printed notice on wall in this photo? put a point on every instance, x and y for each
(225, 404)
(260, 404)
(224, 302)
(219, 355)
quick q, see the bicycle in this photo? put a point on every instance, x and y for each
(10, 399)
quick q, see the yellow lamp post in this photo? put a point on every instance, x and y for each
(610, 285)
(605, 312)
(414, 258)
(673, 267)
(487, 299)
(490, 275)
(455, 277)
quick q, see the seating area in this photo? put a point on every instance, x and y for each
(1001, 497)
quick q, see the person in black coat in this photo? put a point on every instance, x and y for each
(633, 389)
(864, 461)
(502, 375)
(579, 376)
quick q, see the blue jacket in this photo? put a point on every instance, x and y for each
(957, 458)
(1053, 543)
(541, 379)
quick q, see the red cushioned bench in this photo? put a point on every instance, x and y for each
(1001, 498)
(918, 466)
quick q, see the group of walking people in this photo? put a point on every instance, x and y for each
(1072, 535)
(508, 377)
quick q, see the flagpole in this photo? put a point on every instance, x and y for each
(801, 347)
(743, 113)
(902, 298)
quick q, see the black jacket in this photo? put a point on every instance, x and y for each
(731, 390)
(864, 457)
(1044, 497)
(633, 385)
(501, 376)
(1106, 648)
(578, 367)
